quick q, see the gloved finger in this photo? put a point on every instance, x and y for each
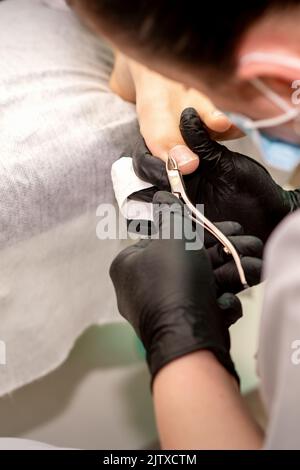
(248, 245)
(145, 195)
(171, 218)
(197, 137)
(213, 118)
(245, 245)
(148, 167)
(167, 198)
(227, 228)
(168, 210)
(121, 264)
(227, 278)
(231, 308)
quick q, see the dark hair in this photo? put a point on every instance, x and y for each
(202, 33)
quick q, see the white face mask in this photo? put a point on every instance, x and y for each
(277, 153)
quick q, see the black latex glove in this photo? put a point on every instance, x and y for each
(168, 294)
(231, 186)
(225, 272)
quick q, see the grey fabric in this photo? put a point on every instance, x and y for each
(60, 130)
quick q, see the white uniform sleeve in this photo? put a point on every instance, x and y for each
(279, 345)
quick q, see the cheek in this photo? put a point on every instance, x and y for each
(245, 100)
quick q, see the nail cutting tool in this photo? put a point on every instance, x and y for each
(178, 189)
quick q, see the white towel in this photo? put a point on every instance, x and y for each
(125, 183)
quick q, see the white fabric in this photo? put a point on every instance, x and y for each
(279, 345)
(125, 183)
(60, 131)
(60, 128)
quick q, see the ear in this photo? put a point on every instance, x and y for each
(280, 66)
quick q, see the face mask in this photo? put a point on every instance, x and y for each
(277, 153)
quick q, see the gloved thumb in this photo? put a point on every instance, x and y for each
(231, 308)
(149, 168)
(197, 137)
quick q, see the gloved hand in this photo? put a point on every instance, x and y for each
(226, 274)
(250, 250)
(168, 294)
(231, 186)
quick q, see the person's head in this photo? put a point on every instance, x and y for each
(218, 51)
